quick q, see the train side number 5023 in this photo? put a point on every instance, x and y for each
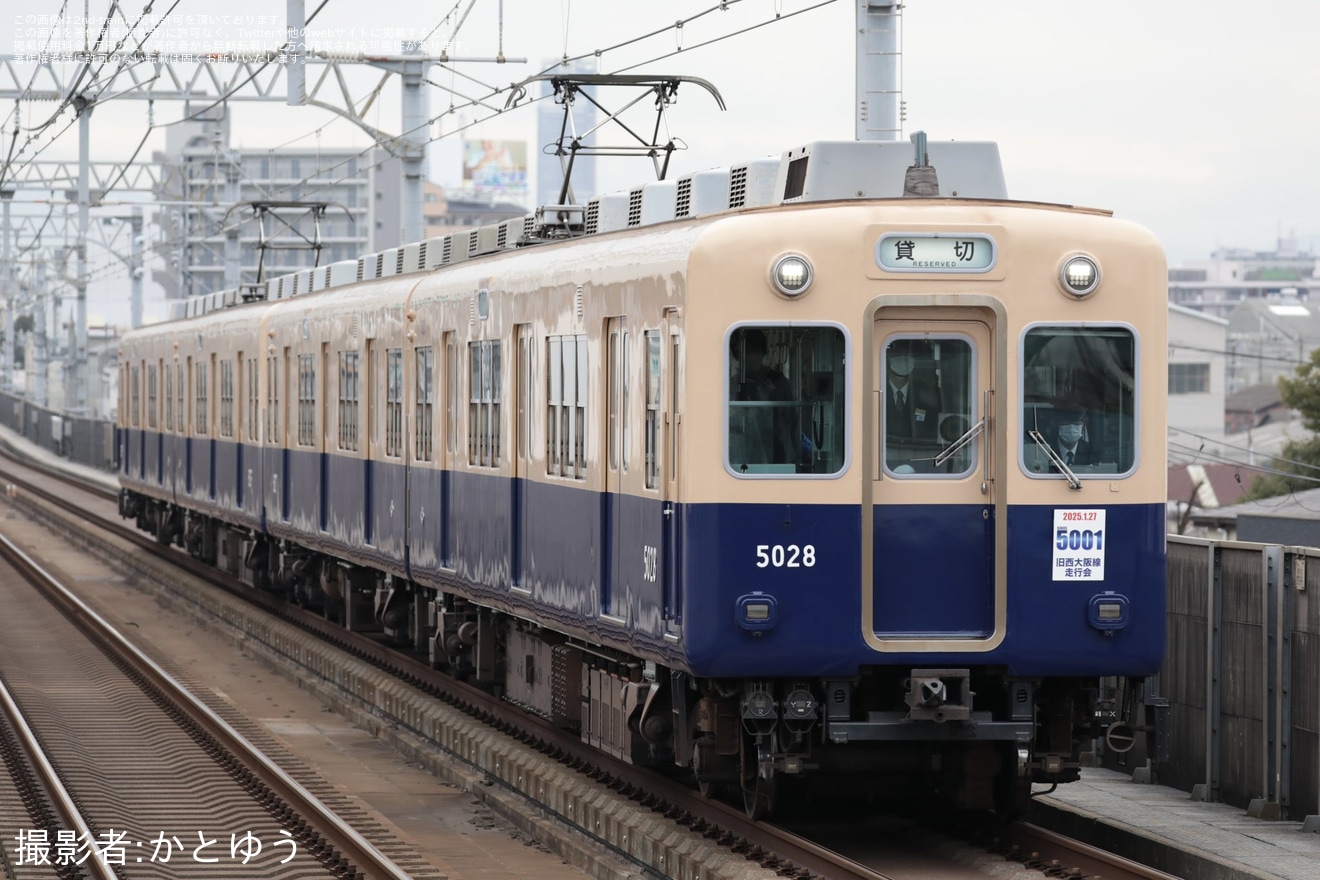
(785, 556)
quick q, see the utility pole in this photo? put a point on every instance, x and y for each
(39, 366)
(7, 280)
(413, 142)
(80, 377)
(136, 269)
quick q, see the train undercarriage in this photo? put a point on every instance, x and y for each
(971, 738)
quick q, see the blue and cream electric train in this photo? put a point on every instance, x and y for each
(829, 467)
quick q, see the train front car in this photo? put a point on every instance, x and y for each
(935, 513)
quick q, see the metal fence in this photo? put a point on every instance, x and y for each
(80, 439)
(1241, 676)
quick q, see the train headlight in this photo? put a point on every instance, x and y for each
(1079, 275)
(792, 275)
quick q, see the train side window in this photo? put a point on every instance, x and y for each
(226, 398)
(1079, 400)
(306, 400)
(580, 409)
(425, 402)
(254, 399)
(272, 400)
(203, 396)
(484, 403)
(623, 412)
(152, 396)
(786, 401)
(169, 398)
(652, 409)
(554, 391)
(180, 408)
(394, 402)
(451, 394)
(566, 406)
(135, 398)
(348, 401)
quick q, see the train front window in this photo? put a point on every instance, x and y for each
(1078, 401)
(931, 424)
(786, 401)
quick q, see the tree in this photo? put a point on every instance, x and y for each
(1300, 459)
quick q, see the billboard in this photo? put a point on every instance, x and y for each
(499, 166)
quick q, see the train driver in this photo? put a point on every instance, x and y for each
(1073, 441)
(759, 435)
(912, 406)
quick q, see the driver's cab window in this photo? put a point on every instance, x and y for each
(1078, 401)
(930, 406)
(787, 396)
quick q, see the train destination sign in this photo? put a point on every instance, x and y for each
(942, 252)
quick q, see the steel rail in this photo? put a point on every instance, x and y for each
(58, 794)
(728, 825)
(342, 836)
(1049, 850)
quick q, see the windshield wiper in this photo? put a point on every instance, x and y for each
(960, 443)
(1056, 459)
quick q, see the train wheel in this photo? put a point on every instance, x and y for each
(759, 786)
(1012, 789)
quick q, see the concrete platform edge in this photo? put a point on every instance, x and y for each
(1139, 846)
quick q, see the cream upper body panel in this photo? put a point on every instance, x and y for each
(729, 283)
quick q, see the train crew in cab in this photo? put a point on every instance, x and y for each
(1073, 441)
(764, 435)
(912, 406)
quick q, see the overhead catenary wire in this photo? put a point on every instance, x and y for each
(494, 90)
(1248, 450)
(75, 93)
(1222, 459)
(320, 170)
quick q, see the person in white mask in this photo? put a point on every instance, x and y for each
(912, 406)
(1073, 443)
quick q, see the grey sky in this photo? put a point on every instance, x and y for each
(1192, 118)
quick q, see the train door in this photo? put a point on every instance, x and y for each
(369, 394)
(291, 388)
(449, 389)
(668, 381)
(158, 423)
(613, 577)
(323, 472)
(211, 383)
(239, 429)
(189, 428)
(522, 450)
(180, 440)
(935, 451)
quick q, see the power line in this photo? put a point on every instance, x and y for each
(1245, 449)
(1222, 459)
(1238, 354)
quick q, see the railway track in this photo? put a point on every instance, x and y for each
(703, 826)
(108, 733)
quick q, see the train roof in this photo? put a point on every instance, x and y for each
(816, 172)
